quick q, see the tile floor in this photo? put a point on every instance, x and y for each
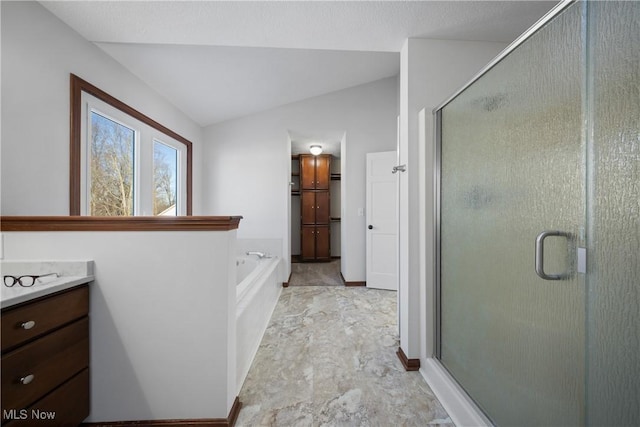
(316, 274)
(328, 359)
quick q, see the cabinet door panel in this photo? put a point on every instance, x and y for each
(307, 172)
(308, 204)
(308, 243)
(323, 172)
(323, 244)
(69, 402)
(322, 207)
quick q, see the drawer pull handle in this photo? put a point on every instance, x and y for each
(27, 379)
(28, 325)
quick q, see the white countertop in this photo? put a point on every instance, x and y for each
(70, 274)
(17, 294)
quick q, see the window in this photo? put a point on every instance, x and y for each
(165, 172)
(122, 162)
(111, 167)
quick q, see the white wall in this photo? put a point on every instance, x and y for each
(248, 162)
(162, 316)
(38, 53)
(430, 71)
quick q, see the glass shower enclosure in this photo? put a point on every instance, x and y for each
(538, 270)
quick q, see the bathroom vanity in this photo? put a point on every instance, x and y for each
(45, 352)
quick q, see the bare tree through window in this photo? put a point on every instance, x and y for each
(112, 151)
(165, 160)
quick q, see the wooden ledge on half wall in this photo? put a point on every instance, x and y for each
(131, 223)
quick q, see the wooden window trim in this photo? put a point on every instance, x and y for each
(119, 223)
(78, 86)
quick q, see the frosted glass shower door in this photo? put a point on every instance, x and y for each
(613, 281)
(512, 167)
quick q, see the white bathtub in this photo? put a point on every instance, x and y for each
(246, 273)
(257, 292)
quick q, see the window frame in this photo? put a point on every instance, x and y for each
(180, 153)
(76, 185)
(89, 107)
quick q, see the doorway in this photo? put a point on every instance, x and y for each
(316, 201)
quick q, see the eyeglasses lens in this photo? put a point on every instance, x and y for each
(26, 281)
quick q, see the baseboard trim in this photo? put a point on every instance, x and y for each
(355, 283)
(286, 284)
(234, 412)
(409, 364)
(351, 283)
(230, 421)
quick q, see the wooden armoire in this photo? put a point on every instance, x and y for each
(315, 178)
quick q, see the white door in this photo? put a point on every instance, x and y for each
(382, 221)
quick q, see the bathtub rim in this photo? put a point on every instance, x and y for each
(264, 267)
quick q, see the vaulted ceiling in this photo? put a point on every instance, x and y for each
(218, 60)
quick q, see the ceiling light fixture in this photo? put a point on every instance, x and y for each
(315, 149)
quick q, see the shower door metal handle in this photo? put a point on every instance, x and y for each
(540, 255)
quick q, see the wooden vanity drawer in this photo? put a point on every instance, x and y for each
(47, 314)
(51, 360)
(68, 405)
